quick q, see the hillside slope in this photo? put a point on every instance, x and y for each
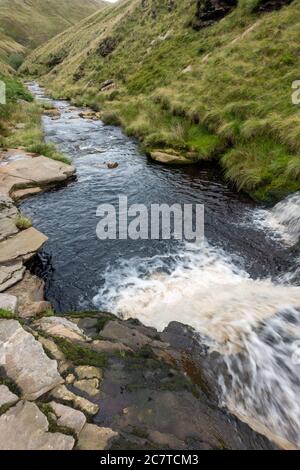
(207, 79)
(25, 24)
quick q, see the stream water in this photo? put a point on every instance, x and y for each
(239, 288)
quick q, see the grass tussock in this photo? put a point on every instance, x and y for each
(23, 222)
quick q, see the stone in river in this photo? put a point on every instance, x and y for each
(95, 438)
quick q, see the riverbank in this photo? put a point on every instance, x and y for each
(22, 175)
(188, 88)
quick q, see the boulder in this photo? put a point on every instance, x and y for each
(25, 361)
(53, 113)
(11, 274)
(7, 397)
(25, 427)
(61, 327)
(9, 303)
(69, 418)
(170, 158)
(112, 165)
(61, 393)
(211, 11)
(30, 294)
(87, 114)
(95, 438)
(22, 246)
(33, 172)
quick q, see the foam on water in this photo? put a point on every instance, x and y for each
(253, 324)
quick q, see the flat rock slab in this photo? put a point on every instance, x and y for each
(69, 418)
(11, 274)
(132, 338)
(108, 346)
(25, 361)
(25, 427)
(61, 327)
(33, 172)
(7, 397)
(9, 303)
(95, 438)
(21, 246)
(30, 294)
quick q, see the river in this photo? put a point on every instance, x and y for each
(239, 287)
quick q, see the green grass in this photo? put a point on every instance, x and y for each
(6, 314)
(48, 150)
(223, 92)
(80, 355)
(20, 108)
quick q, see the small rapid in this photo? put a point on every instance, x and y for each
(239, 289)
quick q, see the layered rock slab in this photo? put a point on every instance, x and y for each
(21, 246)
(31, 171)
(25, 427)
(25, 361)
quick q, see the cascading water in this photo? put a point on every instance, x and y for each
(253, 324)
(283, 220)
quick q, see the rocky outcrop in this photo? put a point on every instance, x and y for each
(270, 5)
(30, 294)
(211, 11)
(107, 46)
(147, 396)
